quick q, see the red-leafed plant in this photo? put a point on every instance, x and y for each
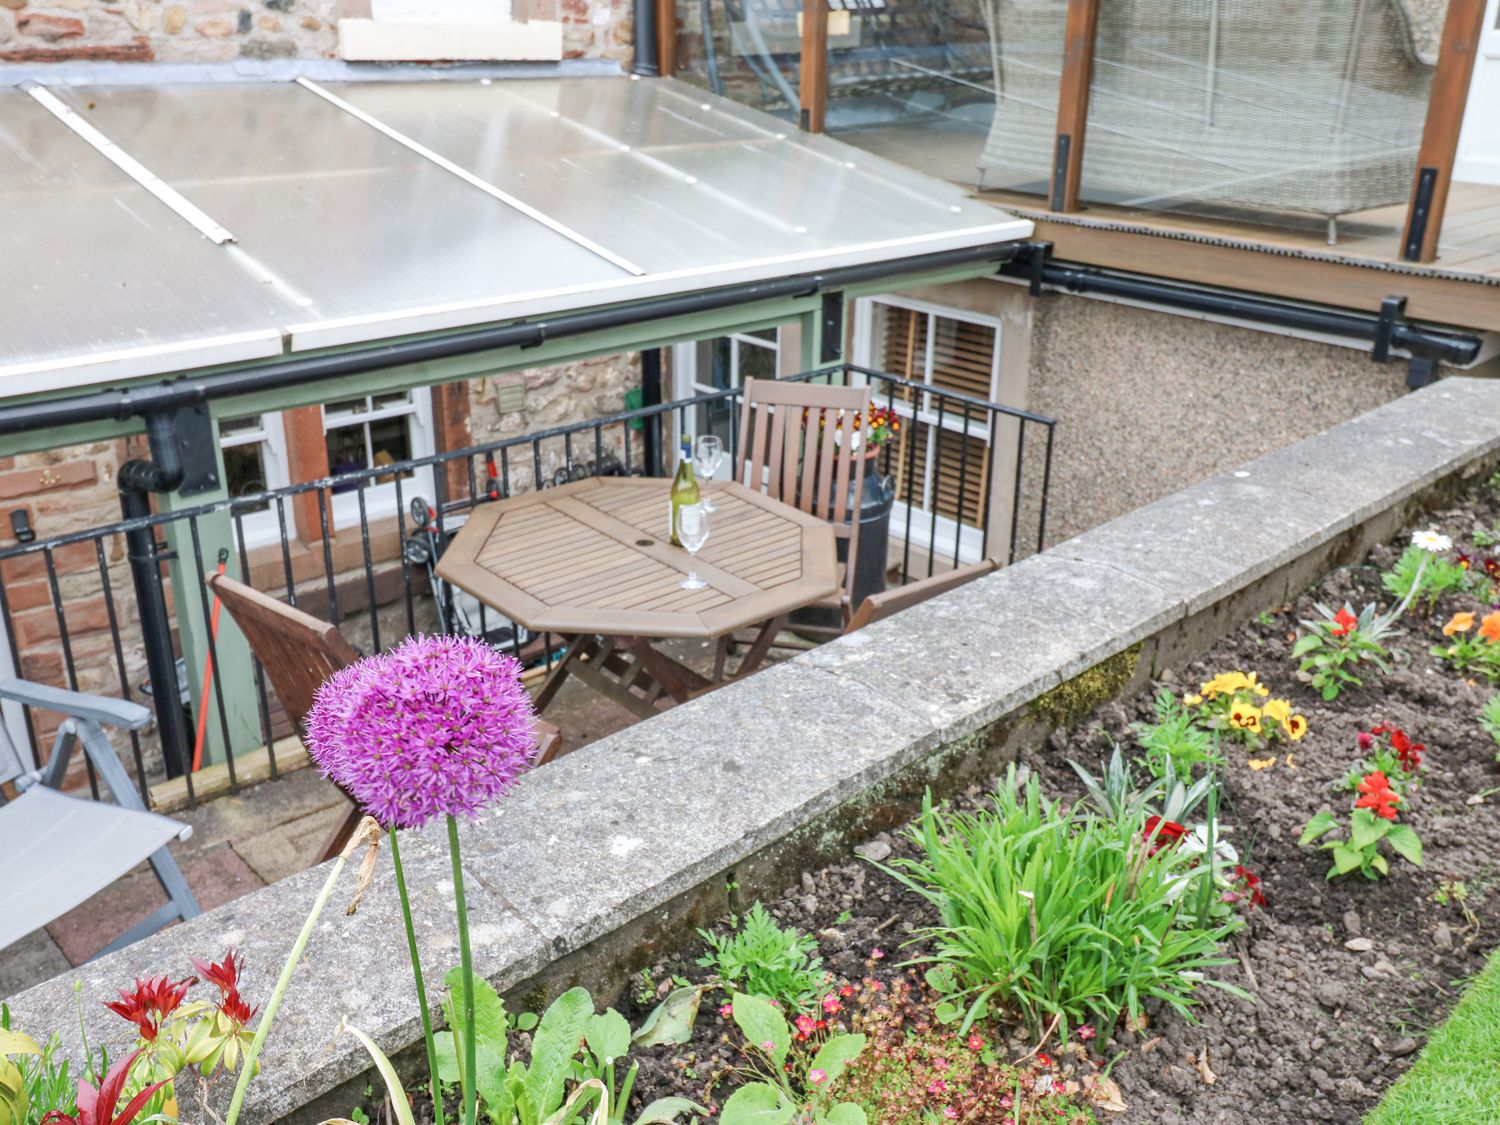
(97, 1107)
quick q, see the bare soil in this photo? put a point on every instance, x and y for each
(1331, 1026)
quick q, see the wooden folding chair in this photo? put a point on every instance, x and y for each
(298, 652)
(797, 444)
(877, 607)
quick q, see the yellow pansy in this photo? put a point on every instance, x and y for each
(1277, 709)
(1295, 726)
(1192, 700)
(1262, 763)
(1246, 717)
(1226, 683)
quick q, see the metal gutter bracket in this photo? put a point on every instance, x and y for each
(831, 344)
(1392, 309)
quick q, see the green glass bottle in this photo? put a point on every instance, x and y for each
(684, 486)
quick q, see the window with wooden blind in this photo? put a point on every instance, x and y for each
(941, 463)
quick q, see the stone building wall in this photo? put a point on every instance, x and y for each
(210, 31)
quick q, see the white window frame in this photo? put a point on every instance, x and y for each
(260, 528)
(687, 384)
(380, 499)
(866, 347)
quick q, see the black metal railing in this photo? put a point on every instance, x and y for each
(970, 479)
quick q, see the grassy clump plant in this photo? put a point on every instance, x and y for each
(1059, 917)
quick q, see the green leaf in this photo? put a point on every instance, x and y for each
(1366, 829)
(946, 1011)
(489, 1034)
(1379, 863)
(672, 1020)
(845, 1113)
(399, 1102)
(1306, 645)
(759, 1103)
(1346, 859)
(1321, 823)
(837, 1053)
(762, 1024)
(608, 1036)
(940, 977)
(1406, 843)
(447, 1057)
(664, 1111)
(553, 1047)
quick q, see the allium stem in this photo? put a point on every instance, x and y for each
(466, 959)
(416, 971)
(247, 1066)
(1416, 584)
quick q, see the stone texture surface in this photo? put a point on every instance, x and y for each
(1149, 402)
(600, 839)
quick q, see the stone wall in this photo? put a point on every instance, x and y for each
(208, 31)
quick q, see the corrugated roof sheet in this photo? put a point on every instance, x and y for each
(364, 211)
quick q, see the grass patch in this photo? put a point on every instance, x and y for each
(1455, 1080)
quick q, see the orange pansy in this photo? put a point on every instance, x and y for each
(1489, 627)
(1459, 623)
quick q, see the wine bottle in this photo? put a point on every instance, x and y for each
(684, 486)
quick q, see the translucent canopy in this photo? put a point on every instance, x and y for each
(357, 212)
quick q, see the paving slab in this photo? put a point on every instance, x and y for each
(36, 957)
(216, 876)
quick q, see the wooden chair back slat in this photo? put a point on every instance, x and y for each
(297, 650)
(797, 445)
(877, 607)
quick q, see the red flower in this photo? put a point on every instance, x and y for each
(1408, 751)
(1366, 739)
(1043, 1059)
(1492, 568)
(98, 1107)
(1378, 795)
(1343, 621)
(1464, 561)
(1162, 833)
(150, 1004)
(225, 976)
(1252, 884)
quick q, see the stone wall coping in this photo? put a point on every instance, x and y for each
(618, 829)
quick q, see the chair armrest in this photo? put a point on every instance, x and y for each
(100, 708)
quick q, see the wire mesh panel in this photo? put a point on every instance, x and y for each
(1313, 106)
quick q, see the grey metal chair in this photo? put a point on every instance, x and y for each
(59, 850)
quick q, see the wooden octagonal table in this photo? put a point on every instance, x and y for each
(593, 562)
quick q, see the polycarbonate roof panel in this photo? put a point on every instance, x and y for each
(660, 175)
(363, 212)
(98, 278)
(342, 219)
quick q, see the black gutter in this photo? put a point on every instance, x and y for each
(1383, 331)
(152, 398)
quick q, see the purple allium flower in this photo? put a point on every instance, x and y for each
(438, 725)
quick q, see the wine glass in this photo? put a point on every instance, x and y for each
(708, 451)
(692, 532)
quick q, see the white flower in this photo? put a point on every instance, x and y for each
(1431, 540)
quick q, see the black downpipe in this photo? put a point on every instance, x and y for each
(651, 396)
(136, 481)
(647, 64)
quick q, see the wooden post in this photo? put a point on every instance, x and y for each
(1445, 117)
(1073, 103)
(813, 84)
(666, 38)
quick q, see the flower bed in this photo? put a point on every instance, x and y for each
(1132, 857)
(1347, 973)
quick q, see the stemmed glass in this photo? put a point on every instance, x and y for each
(692, 532)
(708, 451)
